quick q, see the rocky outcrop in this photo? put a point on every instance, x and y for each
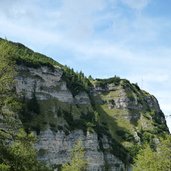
(56, 148)
(82, 98)
(46, 84)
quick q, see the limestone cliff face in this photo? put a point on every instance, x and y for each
(44, 82)
(55, 146)
(56, 149)
(107, 115)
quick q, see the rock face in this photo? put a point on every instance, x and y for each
(46, 83)
(57, 147)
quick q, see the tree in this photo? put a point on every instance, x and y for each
(90, 78)
(145, 159)
(4, 167)
(20, 155)
(164, 154)
(7, 74)
(78, 162)
(155, 160)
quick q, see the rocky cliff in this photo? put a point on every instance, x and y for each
(52, 123)
(112, 117)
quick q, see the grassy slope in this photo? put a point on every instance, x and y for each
(148, 125)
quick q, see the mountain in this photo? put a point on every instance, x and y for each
(112, 117)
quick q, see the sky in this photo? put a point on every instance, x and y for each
(102, 38)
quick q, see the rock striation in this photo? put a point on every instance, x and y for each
(56, 149)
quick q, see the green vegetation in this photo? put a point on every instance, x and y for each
(76, 81)
(24, 55)
(155, 159)
(58, 115)
(17, 152)
(78, 161)
(116, 120)
(103, 82)
(7, 74)
(20, 155)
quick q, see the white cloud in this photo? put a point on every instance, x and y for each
(136, 4)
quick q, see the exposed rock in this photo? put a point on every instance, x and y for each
(82, 98)
(137, 138)
(152, 102)
(46, 84)
(57, 148)
(111, 87)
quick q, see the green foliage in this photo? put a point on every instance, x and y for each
(86, 121)
(90, 78)
(103, 82)
(23, 55)
(76, 82)
(4, 167)
(20, 154)
(17, 152)
(127, 136)
(7, 74)
(144, 162)
(78, 161)
(20, 54)
(29, 111)
(134, 150)
(159, 160)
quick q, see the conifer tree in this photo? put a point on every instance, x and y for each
(78, 161)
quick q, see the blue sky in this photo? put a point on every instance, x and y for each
(127, 38)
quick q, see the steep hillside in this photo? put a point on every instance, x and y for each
(112, 117)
